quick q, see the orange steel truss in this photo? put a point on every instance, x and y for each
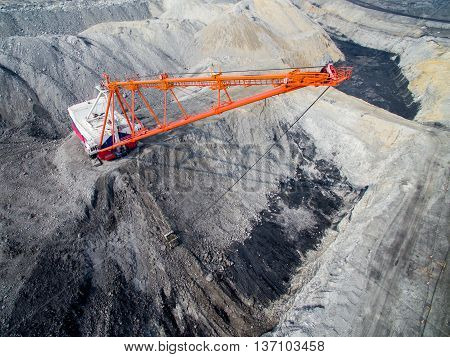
(281, 83)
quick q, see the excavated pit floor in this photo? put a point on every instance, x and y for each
(105, 269)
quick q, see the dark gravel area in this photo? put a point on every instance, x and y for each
(377, 79)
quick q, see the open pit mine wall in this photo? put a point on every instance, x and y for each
(421, 45)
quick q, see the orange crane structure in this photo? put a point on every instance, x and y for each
(113, 123)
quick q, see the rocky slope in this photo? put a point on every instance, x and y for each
(18, 18)
(422, 45)
(383, 269)
(296, 247)
(45, 74)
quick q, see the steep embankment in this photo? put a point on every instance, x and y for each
(384, 269)
(423, 47)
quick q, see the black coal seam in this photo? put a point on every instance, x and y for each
(265, 263)
(377, 78)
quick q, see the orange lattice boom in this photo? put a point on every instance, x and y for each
(116, 98)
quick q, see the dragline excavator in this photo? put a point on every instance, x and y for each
(109, 125)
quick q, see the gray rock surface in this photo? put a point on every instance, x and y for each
(422, 45)
(340, 230)
(378, 274)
